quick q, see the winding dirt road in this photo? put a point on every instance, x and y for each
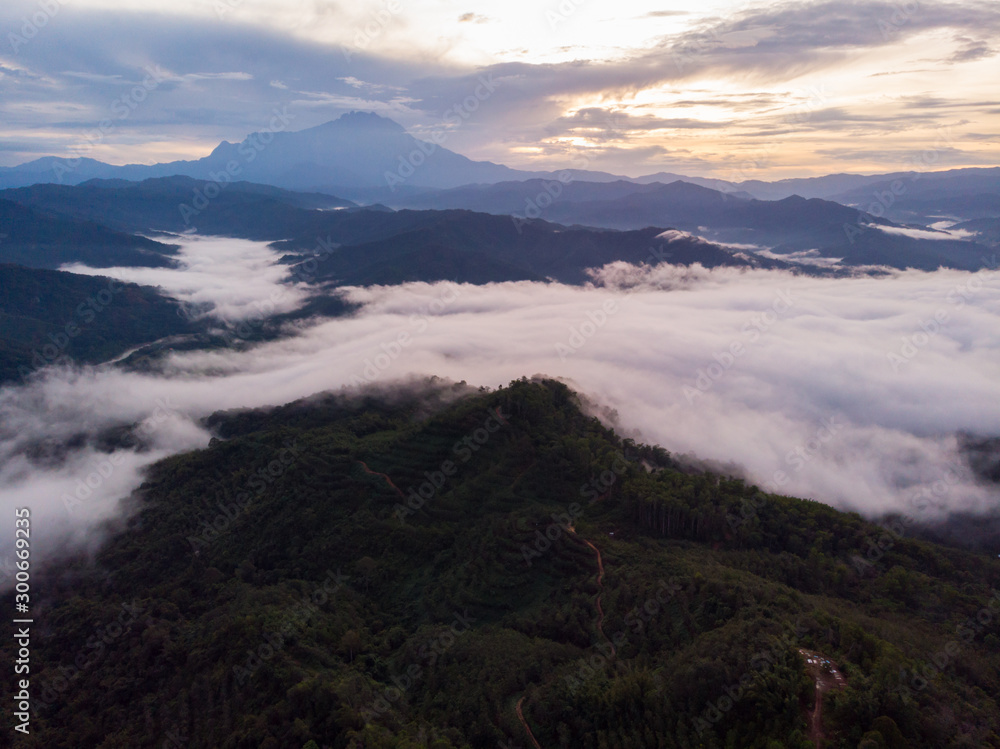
(387, 479)
(600, 592)
(600, 626)
(827, 677)
(527, 729)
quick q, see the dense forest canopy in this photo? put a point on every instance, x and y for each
(419, 570)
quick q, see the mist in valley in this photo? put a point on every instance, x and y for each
(856, 392)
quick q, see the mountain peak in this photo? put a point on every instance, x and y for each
(365, 120)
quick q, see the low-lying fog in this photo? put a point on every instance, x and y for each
(849, 391)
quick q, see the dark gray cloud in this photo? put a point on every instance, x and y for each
(915, 157)
(748, 101)
(772, 44)
(931, 101)
(971, 50)
(901, 72)
(840, 119)
(814, 29)
(214, 77)
(604, 124)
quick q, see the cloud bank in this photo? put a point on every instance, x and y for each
(850, 391)
(230, 279)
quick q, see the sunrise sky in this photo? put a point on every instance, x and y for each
(736, 90)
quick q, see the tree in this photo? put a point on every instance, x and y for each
(351, 642)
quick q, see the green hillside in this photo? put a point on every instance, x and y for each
(49, 316)
(416, 569)
(41, 238)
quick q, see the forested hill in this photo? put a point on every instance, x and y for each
(423, 570)
(47, 239)
(49, 316)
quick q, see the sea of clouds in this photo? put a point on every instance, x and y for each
(851, 391)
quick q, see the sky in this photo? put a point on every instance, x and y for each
(714, 88)
(850, 391)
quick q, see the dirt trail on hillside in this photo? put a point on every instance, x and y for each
(600, 592)
(827, 676)
(599, 625)
(527, 729)
(387, 479)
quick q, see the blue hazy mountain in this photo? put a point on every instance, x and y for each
(357, 149)
(366, 157)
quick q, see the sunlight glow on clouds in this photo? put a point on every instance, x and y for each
(702, 86)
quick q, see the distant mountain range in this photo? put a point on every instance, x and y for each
(957, 195)
(366, 157)
(781, 227)
(285, 185)
(177, 204)
(479, 248)
(375, 244)
(356, 150)
(793, 223)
